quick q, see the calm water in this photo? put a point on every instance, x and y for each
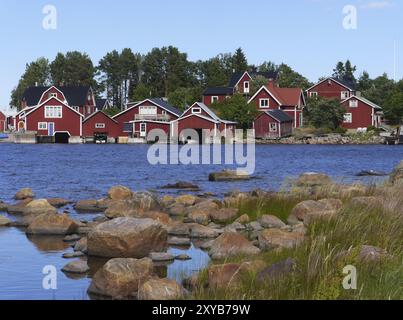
(88, 171)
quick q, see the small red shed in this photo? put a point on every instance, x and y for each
(99, 123)
(3, 122)
(273, 124)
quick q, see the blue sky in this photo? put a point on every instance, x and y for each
(306, 34)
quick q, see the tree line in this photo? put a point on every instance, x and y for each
(167, 72)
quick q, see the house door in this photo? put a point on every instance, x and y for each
(143, 129)
(51, 129)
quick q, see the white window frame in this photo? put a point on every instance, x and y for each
(313, 94)
(348, 118)
(353, 103)
(42, 126)
(261, 101)
(52, 112)
(345, 95)
(196, 111)
(273, 127)
(100, 126)
(143, 129)
(52, 95)
(246, 87)
(144, 110)
(214, 99)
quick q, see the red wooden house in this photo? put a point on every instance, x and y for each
(273, 124)
(99, 123)
(139, 118)
(240, 82)
(54, 118)
(3, 122)
(361, 113)
(332, 88)
(80, 98)
(200, 117)
(289, 100)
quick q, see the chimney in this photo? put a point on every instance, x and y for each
(271, 83)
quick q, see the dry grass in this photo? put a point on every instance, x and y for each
(330, 246)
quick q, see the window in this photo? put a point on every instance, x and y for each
(214, 99)
(89, 97)
(264, 103)
(246, 87)
(196, 110)
(313, 94)
(52, 95)
(53, 112)
(273, 127)
(148, 110)
(42, 126)
(345, 94)
(100, 126)
(353, 103)
(348, 118)
(88, 110)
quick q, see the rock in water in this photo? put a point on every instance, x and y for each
(368, 173)
(58, 202)
(4, 222)
(79, 266)
(120, 193)
(52, 224)
(232, 244)
(229, 175)
(37, 207)
(181, 185)
(88, 206)
(121, 278)
(312, 179)
(23, 194)
(127, 237)
(160, 289)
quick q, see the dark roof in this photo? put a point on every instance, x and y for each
(267, 75)
(235, 79)
(75, 96)
(279, 115)
(348, 84)
(166, 105)
(100, 103)
(218, 91)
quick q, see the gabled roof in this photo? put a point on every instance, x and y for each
(157, 101)
(279, 115)
(32, 109)
(220, 91)
(346, 84)
(96, 112)
(101, 103)
(206, 109)
(283, 96)
(366, 101)
(75, 95)
(268, 74)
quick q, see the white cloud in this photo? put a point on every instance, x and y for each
(377, 5)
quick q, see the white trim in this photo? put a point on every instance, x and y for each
(196, 112)
(143, 133)
(199, 116)
(327, 79)
(65, 104)
(54, 110)
(99, 111)
(276, 127)
(246, 90)
(246, 72)
(363, 100)
(268, 103)
(53, 129)
(100, 125)
(268, 91)
(44, 124)
(350, 115)
(215, 99)
(151, 121)
(139, 104)
(47, 90)
(68, 132)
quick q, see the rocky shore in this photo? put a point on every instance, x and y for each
(251, 237)
(328, 139)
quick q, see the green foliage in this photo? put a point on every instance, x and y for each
(257, 83)
(345, 71)
(324, 113)
(288, 78)
(120, 75)
(236, 109)
(37, 72)
(216, 71)
(239, 61)
(112, 111)
(184, 97)
(140, 93)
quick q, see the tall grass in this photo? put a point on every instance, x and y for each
(330, 246)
